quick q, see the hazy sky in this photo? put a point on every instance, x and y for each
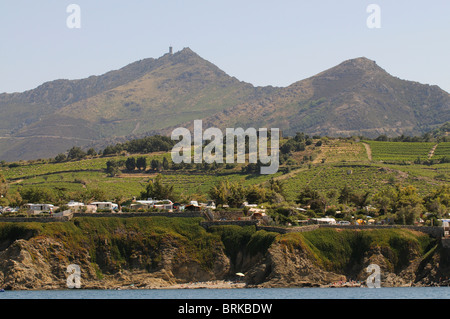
(261, 42)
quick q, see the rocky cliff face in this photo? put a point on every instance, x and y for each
(295, 266)
(38, 263)
(41, 261)
(285, 267)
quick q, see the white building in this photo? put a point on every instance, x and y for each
(75, 206)
(105, 206)
(330, 221)
(39, 208)
(164, 204)
(153, 203)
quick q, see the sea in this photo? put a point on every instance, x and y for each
(237, 293)
(229, 303)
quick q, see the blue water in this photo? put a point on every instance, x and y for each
(263, 293)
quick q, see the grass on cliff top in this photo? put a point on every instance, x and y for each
(340, 250)
(244, 239)
(120, 238)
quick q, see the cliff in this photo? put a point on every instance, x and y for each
(147, 252)
(326, 256)
(158, 252)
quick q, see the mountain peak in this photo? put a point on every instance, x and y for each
(355, 70)
(185, 56)
(187, 50)
(361, 63)
(186, 53)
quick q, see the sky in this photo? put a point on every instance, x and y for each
(257, 41)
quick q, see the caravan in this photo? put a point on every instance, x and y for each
(165, 204)
(105, 206)
(39, 208)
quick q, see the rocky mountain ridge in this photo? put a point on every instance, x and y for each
(356, 97)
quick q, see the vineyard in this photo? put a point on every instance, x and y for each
(189, 184)
(88, 174)
(326, 168)
(396, 152)
(442, 150)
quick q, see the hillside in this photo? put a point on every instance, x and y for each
(357, 97)
(363, 166)
(138, 99)
(150, 96)
(159, 252)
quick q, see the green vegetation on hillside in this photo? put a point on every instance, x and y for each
(113, 244)
(442, 151)
(123, 238)
(343, 177)
(340, 251)
(243, 239)
(399, 151)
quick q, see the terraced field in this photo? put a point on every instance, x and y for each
(442, 150)
(396, 152)
(342, 151)
(328, 178)
(337, 163)
(77, 176)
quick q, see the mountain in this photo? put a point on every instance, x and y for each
(142, 97)
(150, 96)
(357, 97)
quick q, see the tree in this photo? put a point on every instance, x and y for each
(252, 168)
(408, 196)
(313, 198)
(76, 153)
(406, 215)
(384, 200)
(141, 163)
(165, 163)
(3, 191)
(6, 196)
(299, 137)
(91, 152)
(109, 150)
(95, 194)
(296, 144)
(119, 200)
(383, 138)
(236, 195)
(130, 163)
(276, 186)
(438, 201)
(3, 185)
(256, 194)
(219, 193)
(112, 168)
(38, 195)
(60, 157)
(360, 199)
(155, 164)
(226, 192)
(345, 195)
(157, 190)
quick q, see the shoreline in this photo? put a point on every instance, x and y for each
(214, 284)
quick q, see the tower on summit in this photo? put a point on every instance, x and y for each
(170, 50)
